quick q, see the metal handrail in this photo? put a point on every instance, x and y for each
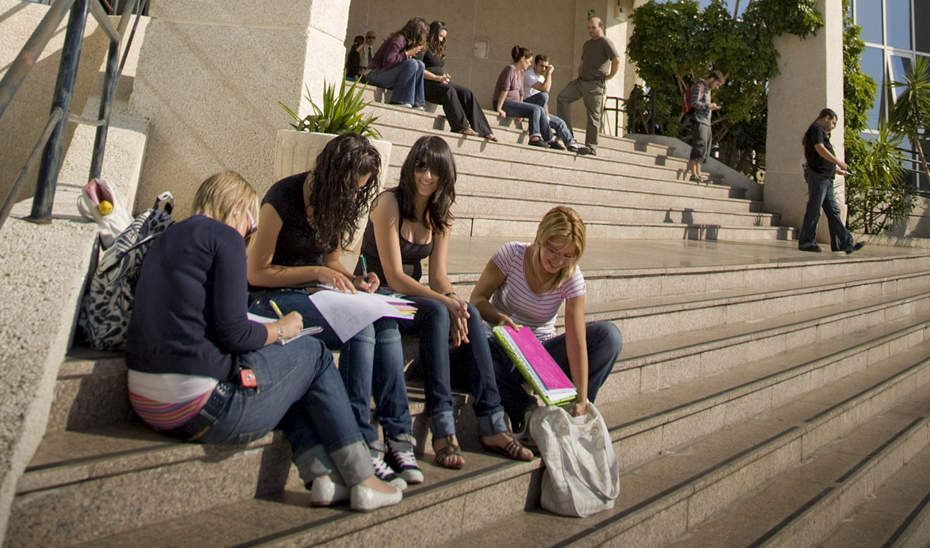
(51, 140)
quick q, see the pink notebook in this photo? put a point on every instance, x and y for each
(546, 377)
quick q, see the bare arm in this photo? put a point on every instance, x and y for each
(491, 279)
(576, 346)
(264, 274)
(614, 67)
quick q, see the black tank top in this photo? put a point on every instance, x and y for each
(410, 254)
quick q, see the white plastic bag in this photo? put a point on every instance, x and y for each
(112, 218)
(581, 476)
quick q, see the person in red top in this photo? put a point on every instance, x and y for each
(395, 68)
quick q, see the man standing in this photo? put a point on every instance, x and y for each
(537, 82)
(591, 82)
(819, 171)
(368, 51)
(701, 110)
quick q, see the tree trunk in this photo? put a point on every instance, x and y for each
(920, 154)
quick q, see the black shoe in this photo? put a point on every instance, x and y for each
(814, 249)
(537, 142)
(555, 145)
(855, 247)
(591, 151)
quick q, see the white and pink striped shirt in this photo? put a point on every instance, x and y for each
(515, 298)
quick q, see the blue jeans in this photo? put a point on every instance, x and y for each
(534, 113)
(604, 345)
(298, 388)
(405, 80)
(820, 196)
(437, 360)
(372, 361)
(557, 125)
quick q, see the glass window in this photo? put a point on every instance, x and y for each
(900, 67)
(873, 65)
(898, 23)
(869, 17)
(922, 21)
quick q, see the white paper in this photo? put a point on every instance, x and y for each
(312, 330)
(347, 314)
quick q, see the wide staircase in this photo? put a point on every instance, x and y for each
(764, 396)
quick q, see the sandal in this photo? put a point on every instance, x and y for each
(469, 132)
(513, 450)
(452, 452)
(490, 137)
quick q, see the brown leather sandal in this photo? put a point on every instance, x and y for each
(450, 451)
(513, 450)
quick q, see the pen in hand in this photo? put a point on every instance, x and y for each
(277, 310)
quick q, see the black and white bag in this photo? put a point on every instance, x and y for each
(108, 303)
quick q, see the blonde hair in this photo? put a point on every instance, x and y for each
(219, 196)
(564, 223)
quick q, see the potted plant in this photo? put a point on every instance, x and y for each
(296, 150)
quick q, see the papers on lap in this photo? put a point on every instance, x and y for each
(347, 314)
(312, 330)
(536, 365)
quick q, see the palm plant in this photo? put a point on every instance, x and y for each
(874, 193)
(338, 114)
(910, 113)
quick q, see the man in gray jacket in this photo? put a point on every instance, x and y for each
(701, 109)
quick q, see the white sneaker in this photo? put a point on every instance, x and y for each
(366, 500)
(402, 459)
(384, 473)
(326, 492)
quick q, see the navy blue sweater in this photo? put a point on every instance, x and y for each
(191, 303)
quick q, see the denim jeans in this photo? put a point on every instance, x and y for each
(371, 362)
(561, 129)
(298, 388)
(534, 113)
(604, 345)
(820, 196)
(405, 80)
(432, 324)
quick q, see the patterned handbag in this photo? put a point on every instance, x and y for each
(107, 305)
(582, 476)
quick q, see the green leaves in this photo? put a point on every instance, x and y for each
(875, 193)
(338, 114)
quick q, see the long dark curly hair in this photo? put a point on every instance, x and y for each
(336, 201)
(432, 152)
(414, 32)
(435, 45)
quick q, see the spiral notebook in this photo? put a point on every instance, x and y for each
(537, 366)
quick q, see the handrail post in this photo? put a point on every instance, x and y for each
(64, 92)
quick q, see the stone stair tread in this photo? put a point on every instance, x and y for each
(680, 468)
(287, 519)
(886, 516)
(766, 512)
(593, 224)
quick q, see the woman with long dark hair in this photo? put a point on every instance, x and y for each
(508, 100)
(307, 219)
(458, 102)
(408, 224)
(354, 59)
(201, 371)
(394, 66)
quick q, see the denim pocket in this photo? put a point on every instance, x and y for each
(248, 437)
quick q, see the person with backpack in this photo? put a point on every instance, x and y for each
(699, 107)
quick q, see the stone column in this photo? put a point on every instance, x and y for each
(811, 79)
(210, 77)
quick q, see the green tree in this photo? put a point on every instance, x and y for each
(874, 192)
(675, 43)
(859, 90)
(910, 113)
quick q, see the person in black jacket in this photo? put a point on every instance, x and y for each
(458, 102)
(354, 59)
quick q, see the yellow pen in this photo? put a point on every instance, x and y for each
(276, 309)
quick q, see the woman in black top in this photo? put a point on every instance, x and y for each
(202, 371)
(458, 102)
(354, 59)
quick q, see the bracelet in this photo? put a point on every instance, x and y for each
(451, 293)
(280, 333)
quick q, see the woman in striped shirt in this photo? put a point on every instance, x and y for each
(524, 285)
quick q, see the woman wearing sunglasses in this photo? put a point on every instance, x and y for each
(199, 370)
(525, 285)
(306, 220)
(408, 224)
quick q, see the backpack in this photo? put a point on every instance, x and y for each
(107, 305)
(686, 101)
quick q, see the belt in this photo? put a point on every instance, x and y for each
(208, 415)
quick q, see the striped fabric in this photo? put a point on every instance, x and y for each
(165, 416)
(515, 298)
